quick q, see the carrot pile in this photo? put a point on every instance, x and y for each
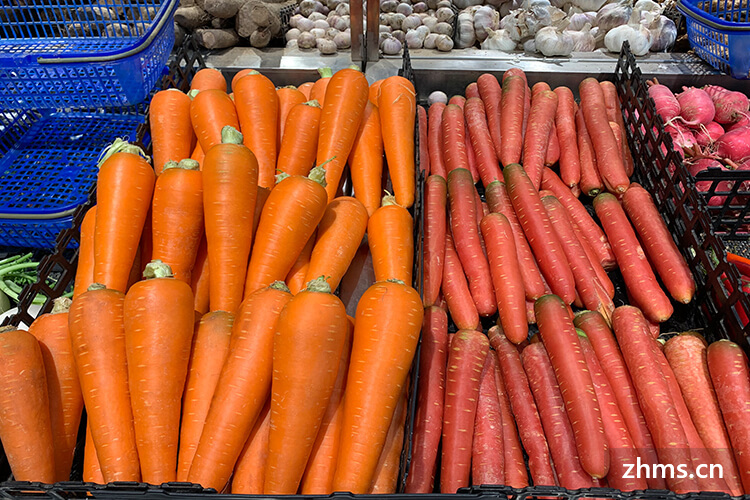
(204, 339)
(509, 239)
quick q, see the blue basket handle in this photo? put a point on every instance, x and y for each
(143, 45)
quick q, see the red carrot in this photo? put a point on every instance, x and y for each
(436, 192)
(524, 408)
(481, 141)
(434, 140)
(637, 272)
(608, 156)
(506, 276)
(538, 230)
(492, 94)
(658, 243)
(557, 426)
(456, 289)
(591, 182)
(424, 156)
(511, 119)
(463, 224)
(465, 361)
(605, 347)
(614, 114)
(559, 336)
(537, 138)
(428, 420)
(488, 455)
(453, 139)
(570, 166)
(515, 472)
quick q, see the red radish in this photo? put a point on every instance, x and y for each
(727, 364)
(463, 209)
(653, 392)
(636, 270)
(696, 106)
(538, 230)
(612, 363)
(744, 121)
(708, 134)
(557, 426)
(658, 243)
(436, 193)
(666, 103)
(515, 467)
(434, 139)
(730, 106)
(428, 420)
(492, 94)
(524, 408)
(561, 340)
(506, 277)
(487, 453)
(499, 202)
(705, 186)
(621, 447)
(456, 289)
(468, 351)
(682, 137)
(734, 145)
(687, 357)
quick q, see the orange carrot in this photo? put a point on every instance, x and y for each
(260, 202)
(250, 471)
(386, 472)
(320, 87)
(211, 111)
(177, 217)
(124, 188)
(25, 427)
(346, 97)
(295, 280)
(374, 91)
(303, 353)
(397, 101)
(340, 232)
(299, 144)
(65, 399)
(306, 89)
(386, 331)
(85, 269)
(258, 111)
(97, 334)
(208, 353)
(242, 390)
(171, 127)
(199, 281)
(92, 472)
(158, 350)
(230, 177)
(290, 215)
(208, 78)
(198, 154)
(239, 75)
(289, 97)
(321, 466)
(391, 239)
(366, 160)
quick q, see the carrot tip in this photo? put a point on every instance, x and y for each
(62, 305)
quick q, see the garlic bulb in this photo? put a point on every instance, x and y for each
(583, 40)
(465, 35)
(306, 40)
(648, 6)
(498, 40)
(445, 29)
(304, 24)
(292, 44)
(663, 31)
(390, 46)
(589, 5)
(318, 32)
(444, 15)
(485, 18)
(405, 9)
(505, 8)
(292, 34)
(444, 43)
(579, 20)
(552, 42)
(462, 4)
(529, 46)
(419, 7)
(430, 41)
(430, 22)
(414, 39)
(316, 16)
(293, 20)
(326, 46)
(399, 35)
(388, 6)
(331, 33)
(396, 20)
(342, 9)
(613, 15)
(411, 22)
(423, 31)
(321, 24)
(343, 41)
(385, 29)
(638, 36)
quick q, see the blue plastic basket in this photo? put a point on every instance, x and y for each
(82, 54)
(719, 32)
(48, 165)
